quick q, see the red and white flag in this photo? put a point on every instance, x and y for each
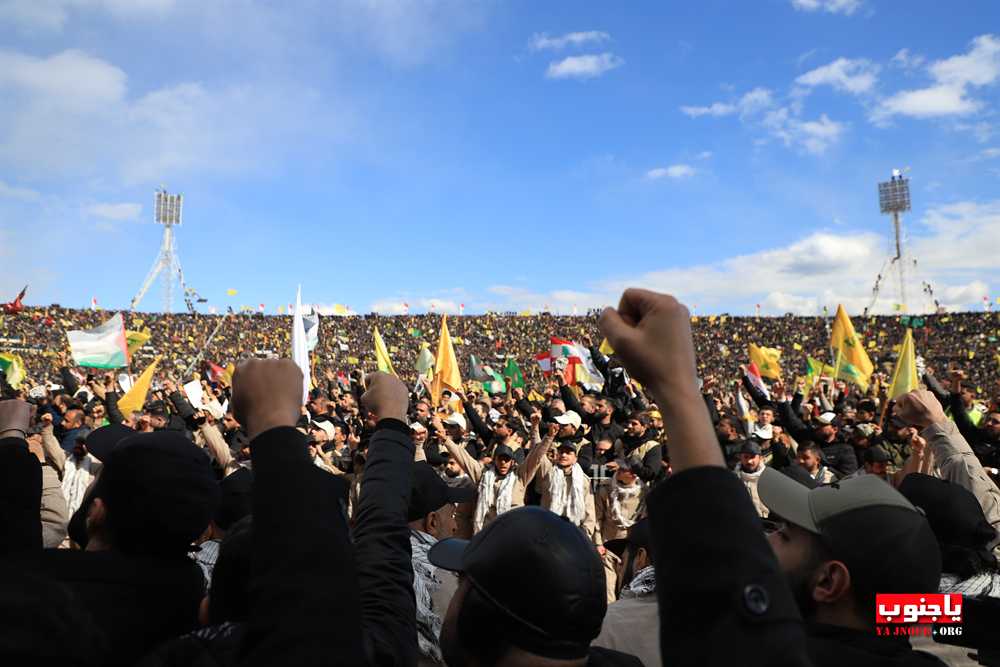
(753, 374)
(93, 303)
(406, 308)
(260, 308)
(461, 309)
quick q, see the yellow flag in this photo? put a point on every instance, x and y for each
(848, 346)
(231, 292)
(339, 309)
(535, 397)
(13, 366)
(353, 361)
(227, 375)
(136, 339)
(766, 359)
(796, 347)
(904, 376)
(135, 398)
(606, 347)
(446, 372)
(525, 313)
(382, 354)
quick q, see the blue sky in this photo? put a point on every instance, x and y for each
(504, 155)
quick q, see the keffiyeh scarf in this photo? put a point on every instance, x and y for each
(618, 494)
(643, 583)
(425, 582)
(488, 494)
(572, 505)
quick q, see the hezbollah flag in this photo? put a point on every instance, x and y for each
(382, 354)
(815, 369)
(135, 398)
(513, 373)
(606, 348)
(13, 366)
(446, 371)
(904, 377)
(136, 339)
(850, 349)
(766, 359)
(101, 347)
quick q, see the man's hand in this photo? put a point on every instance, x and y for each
(14, 416)
(387, 396)
(553, 430)
(651, 334)
(267, 393)
(46, 420)
(919, 408)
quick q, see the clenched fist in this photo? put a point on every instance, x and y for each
(387, 397)
(919, 408)
(651, 334)
(267, 393)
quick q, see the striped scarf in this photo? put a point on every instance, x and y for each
(573, 504)
(425, 582)
(488, 495)
(620, 493)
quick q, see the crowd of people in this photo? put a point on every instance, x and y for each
(680, 513)
(345, 342)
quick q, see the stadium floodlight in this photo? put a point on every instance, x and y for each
(894, 199)
(167, 212)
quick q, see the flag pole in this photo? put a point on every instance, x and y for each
(201, 352)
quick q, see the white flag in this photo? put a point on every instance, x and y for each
(300, 349)
(311, 324)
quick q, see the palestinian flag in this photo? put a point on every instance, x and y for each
(101, 347)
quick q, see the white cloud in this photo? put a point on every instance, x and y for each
(583, 67)
(750, 103)
(542, 41)
(955, 250)
(422, 304)
(19, 194)
(846, 7)
(953, 77)
(117, 212)
(674, 171)
(705, 155)
(851, 76)
(52, 15)
(907, 60)
(71, 112)
(714, 109)
(816, 136)
(990, 153)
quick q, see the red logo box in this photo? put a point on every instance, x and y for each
(909, 608)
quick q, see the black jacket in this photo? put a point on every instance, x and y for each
(831, 646)
(723, 598)
(987, 449)
(838, 454)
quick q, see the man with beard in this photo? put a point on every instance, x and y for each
(841, 544)
(810, 457)
(617, 506)
(984, 438)
(639, 445)
(501, 483)
(749, 470)
(564, 486)
(838, 453)
(730, 440)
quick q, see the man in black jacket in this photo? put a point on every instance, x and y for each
(837, 452)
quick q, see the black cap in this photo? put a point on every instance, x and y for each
(503, 450)
(750, 447)
(236, 495)
(541, 575)
(157, 408)
(101, 442)
(430, 493)
(160, 493)
(877, 455)
(955, 516)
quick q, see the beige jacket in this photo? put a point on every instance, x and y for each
(632, 626)
(523, 474)
(545, 469)
(629, 509)
(957, 463)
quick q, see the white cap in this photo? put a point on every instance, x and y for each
(417, 426)
(456, 419)
(324, 426)
(764, 432)
(570, 417)
(826, 418)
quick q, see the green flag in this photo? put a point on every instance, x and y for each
(477, 371)
(513, 372)
(495, 385)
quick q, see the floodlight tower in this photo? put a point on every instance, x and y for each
(166, 212)
(894, 199)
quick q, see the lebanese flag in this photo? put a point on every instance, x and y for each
(15, 306)
(461, 309)
(260, 308)
(753, 374)
(93, 303)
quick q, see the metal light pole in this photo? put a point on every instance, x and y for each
(166, 212)
(894, 199)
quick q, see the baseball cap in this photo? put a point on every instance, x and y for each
(102, 441)
(866, 524)
(160, 492)
(503, 450)
(430, 493)
(455, 419)
(826, 418)
(324, 426)
(750, 447)
(559, 612)
(569, 417)
(417, 426)
(876, 455)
